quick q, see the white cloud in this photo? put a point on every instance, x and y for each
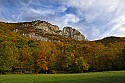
(101, 16)
(119, 27)
(116, 27)
(66, 20)
(70, 18)
(61, 9)
(40, 12)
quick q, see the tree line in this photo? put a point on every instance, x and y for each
(49, 57)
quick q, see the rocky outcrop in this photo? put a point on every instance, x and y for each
(35, 36)
(42, 27)
(69, 32)
(46, 27)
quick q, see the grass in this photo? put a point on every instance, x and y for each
(96, 77)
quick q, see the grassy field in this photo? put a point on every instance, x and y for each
(96, 77)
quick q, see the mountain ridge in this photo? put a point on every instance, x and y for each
(39, 29)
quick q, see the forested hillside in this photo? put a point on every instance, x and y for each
(22, 52)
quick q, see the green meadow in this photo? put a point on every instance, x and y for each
(93, 77)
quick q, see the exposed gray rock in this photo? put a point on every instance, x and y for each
(35, 36)
(47, 28)
(69, 32)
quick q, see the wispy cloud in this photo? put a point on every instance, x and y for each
(101, 16)
(23, 11)
(69, 18)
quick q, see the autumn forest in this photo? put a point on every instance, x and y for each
(20, 54)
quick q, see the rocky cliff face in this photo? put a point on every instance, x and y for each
(46, 27)
(69, 32)
(38, 30)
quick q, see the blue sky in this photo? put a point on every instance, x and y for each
(95, 19)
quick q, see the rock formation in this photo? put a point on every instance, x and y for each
(69, 32)
(39, 28)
